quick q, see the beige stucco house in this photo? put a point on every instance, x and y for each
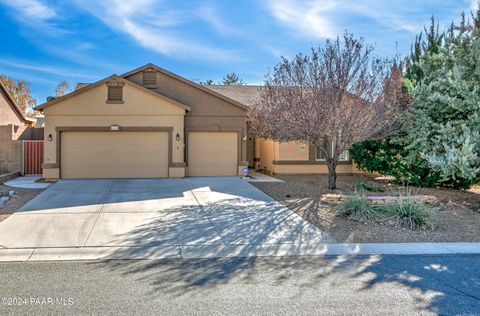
(12, 128)
(151, 123)
(281, 158)
(145, 123)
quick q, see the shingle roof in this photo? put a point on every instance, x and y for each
(247, 95)
(80, 85)
(244, 94)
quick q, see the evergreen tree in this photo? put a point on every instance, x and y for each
(232, 79)
(446, 131)
(442, 146)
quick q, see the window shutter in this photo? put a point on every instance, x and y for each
(115, 93)
(149, 78)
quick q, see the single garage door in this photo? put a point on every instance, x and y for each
(114, 154)
(212, 153)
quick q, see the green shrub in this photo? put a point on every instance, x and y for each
(361, 186)
(410, 213)
(358, 208)
(390, 158)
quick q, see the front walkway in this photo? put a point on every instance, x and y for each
(27, 182)
(154, 218)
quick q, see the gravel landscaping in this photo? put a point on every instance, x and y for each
(21, 197)
(455, 220)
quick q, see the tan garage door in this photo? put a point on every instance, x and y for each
(114, 154)
(212, 154)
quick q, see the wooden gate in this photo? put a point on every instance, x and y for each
(32, 156)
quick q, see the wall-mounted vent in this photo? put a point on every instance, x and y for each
(115, 93)
(149, 78)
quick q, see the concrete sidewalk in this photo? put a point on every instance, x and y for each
(229, 251)
(27, 182)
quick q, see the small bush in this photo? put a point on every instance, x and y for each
(411, 214)
(358, 208)
(404, 212)
(361, 186)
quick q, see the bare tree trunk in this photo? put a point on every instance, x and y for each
(332, 175)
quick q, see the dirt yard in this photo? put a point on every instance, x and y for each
(21, 198)
(454, 222)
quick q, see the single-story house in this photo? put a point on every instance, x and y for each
(145, 123)
(286, 157)
(150, 123)
(13, 124)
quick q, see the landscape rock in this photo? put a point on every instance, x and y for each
(333, 198)
(380, 199)
(389, 199)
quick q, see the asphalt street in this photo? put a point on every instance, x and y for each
(367, 285)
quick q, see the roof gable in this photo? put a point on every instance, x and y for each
(186, 81)
(103, 81)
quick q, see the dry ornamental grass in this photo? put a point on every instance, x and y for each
(455, 220)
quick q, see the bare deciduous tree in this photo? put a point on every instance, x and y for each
(338, 95)
(62, 89)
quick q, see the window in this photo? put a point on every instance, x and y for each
(321, 156)
(115, 94)
(149, 78)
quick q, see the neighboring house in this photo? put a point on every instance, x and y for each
(145, 123)
(13, 126)
(276, 157)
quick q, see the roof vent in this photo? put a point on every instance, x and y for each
(50, 98)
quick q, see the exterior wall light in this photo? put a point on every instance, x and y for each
(114, 127)
(49, 138)
(177, 137)
(244, 138)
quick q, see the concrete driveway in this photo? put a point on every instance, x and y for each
(191, 217)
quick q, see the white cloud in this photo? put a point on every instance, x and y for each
(310, 18)
(32, 9)
(151, 24)
(209, 14)
(52, 70)
(328, 18)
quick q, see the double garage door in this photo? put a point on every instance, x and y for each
(144, 154)
(114, 154)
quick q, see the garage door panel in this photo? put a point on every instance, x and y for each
(114, 154)
(212, 153)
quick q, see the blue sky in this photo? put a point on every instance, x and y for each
(45, 42)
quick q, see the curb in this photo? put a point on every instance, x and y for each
(232, 251)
